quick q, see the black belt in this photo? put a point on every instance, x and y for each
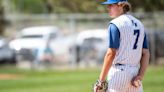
(118, 64)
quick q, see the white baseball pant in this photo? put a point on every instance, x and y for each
(119, 79)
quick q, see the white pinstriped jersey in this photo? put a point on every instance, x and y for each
(131, 40)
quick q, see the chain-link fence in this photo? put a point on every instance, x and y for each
(70, 25)
(77, 22)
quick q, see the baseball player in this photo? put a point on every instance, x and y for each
(127, 57)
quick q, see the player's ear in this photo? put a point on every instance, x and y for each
(126, 6)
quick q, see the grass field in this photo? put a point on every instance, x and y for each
(81, 80)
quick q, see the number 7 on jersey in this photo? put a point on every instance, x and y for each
(136, 33)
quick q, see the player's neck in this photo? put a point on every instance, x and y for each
(118, 15)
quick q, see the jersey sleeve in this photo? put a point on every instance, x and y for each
(114, 36)
(145, 43)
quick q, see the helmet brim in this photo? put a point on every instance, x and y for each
(107, 2)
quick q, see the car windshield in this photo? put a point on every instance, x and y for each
(92, 40)
(31, 36)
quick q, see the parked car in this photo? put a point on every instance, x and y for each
(159, 42)
(7, 55)
(62, 47)
(31, 42)
(156, 43)
(86, 45)
(91, 45)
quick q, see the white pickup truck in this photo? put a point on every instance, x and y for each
(31, 39)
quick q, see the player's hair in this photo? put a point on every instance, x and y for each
(126, 6)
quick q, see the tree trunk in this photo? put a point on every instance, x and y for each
(2, 21)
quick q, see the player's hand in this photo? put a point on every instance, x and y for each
(100, 86)
(136, 81)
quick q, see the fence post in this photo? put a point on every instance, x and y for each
(74, 52)
(152, 48)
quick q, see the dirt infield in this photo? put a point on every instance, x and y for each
(9, 76)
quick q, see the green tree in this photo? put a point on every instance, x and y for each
(78, 6)
(29, 6)
(2, 20)
(148, 5)
(58, 6)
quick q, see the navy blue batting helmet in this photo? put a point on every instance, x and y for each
(114, 1)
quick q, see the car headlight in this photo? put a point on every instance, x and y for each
(2, 43)
(15, 47)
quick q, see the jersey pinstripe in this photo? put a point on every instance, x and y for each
(131, 40)
(128, 54)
